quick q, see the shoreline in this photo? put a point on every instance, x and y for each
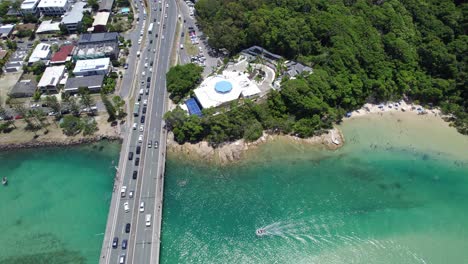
(57, 143)
(235, 151)
(334, 139)
(19, 138)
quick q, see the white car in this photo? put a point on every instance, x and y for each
(142, 207)
(140, 138)
(146, 65)
(145, 102)
(141, 128)
(143, 73)
(130, 194)
(126, 207)
(123, 191)
(134, 126)
(165, 15)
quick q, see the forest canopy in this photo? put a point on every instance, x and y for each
(360, 50)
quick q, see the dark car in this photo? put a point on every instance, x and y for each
(154, 20)
(137, 161)
(135, 175)
(144, 110)
(183, 34)
(139, 98)
(150, 143)
(148, 79)
(148, 85)
(127, 228)
(151, 63)
(157, 35)
(115, 242)
(138, 150)
(151, 41)
(124, 244)
(130, 155)
(142, 120)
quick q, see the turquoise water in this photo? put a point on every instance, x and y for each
(386, 197)
(55, 207)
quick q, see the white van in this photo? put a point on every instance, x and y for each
(142, 91)
(148, 220)
(138, 53)
(123, 191)
(181, 46)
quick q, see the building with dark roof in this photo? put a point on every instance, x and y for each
(97, 45)
(63, 55)
(106, 5)
(93, 83)
(3, 53)
(5, 31)
(25, 88)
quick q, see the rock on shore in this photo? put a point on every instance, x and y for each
(234, 151)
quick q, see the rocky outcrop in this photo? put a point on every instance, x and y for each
(67, 142)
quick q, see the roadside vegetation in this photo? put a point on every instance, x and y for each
(360, 51)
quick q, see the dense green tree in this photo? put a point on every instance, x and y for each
(182, 79)
(71, 125)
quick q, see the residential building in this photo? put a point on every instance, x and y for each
(24, 88)
(42, 52)
(72, 19)
(63, 55)
(48, 26)
(53, 7)
(3, 53)
(51, 79)
(30, 7)
(100, 21)
(5, 30)
(97, 45)
(92, 67)
(93, 83)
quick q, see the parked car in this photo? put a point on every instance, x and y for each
(126, 66)
(141, 126)
(144, 112)
(130, 194)
(142, 119)
(140, 138)
(134, 126)
(135, 173)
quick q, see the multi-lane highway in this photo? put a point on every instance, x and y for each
(146, 70)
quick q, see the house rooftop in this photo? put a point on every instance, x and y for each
(51, 76)
(62, 54)
(90, 65)
(6, 29)
(85, 81)
(24, 88)
(98, 37)
(41, 52)
(48, 26)
(29, 4)
(101, 18)
(75, 15)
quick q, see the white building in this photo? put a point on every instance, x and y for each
(220, 89)
(48, 26)
(42, 52)
(29, 7)
(51, 78)
(53, 7)
(72, 19)
(92, 67)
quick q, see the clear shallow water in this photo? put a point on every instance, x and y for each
(55, 207)
(383, 198)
